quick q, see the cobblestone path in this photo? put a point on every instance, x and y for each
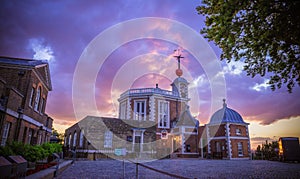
(190, 168)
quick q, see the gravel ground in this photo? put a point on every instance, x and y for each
(189, 168)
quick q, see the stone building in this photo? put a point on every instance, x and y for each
(24, 87)
(155, 123)
(225, 136)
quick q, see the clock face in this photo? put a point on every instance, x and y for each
(183, 90)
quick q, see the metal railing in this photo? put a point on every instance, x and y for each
(153, 169)
(145, 91)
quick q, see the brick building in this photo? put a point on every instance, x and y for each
(24, 87)
(152, 122)
(155, 123)
(225, 136)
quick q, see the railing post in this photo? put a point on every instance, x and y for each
(57, 166)
(136, 170)
(123, 168)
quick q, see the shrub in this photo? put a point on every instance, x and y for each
(29, 152)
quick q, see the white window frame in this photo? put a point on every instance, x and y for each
(123, 110)
(74, 139)
(6, 129)
(37, 99)
(30, 134)
(31, 96)
(218, 147)
(163, 114)
(240, 149)
(238, 131)
(70, 139)
(81, 138)
(42, 105)
(108, 137)
(65, 141)
(139, 115)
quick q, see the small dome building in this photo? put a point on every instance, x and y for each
(226, 136)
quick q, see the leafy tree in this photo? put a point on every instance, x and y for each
(263, 33)
(59, 136)
(268, 151)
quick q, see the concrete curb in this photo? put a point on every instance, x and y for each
(49, 173)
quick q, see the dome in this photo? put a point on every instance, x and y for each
(226, 115)
(180, 79)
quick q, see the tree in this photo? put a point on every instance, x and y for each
(264, 34)
(268, 151)
(59, 136)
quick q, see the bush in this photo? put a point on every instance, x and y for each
(29, 152)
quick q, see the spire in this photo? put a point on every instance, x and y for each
(224, 103)
(178, 56)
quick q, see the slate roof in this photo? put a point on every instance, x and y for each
(22, 62)
(41, 67)
(186, 119)
(226, 115)
(115, 125)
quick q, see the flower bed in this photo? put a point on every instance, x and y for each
(40, 167)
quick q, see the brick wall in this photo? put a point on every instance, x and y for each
(218, 130)
(15, 85)
(242, 128)
(234, 148)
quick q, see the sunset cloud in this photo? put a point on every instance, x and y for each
(60, 32)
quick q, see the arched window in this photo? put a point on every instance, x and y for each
(108, 136)
(70, 139)
(81, 138)
(74, 139)
(37, 99)
(31, 96)
(65, 142)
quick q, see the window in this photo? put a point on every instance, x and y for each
(39, 139)
(164, 134)
(163, 114)
(188, 148)
(42, 107)
(65, 141)
(31, 96)
(47, 122)
(123, 110)
(24, 135)
(30, 132)
(218, 147)
(238, 131)
(140, 110)
(240, 149)
(81, 138)
(108, 139)
(37, 99)
(74, 139)
(70, 139)
(6, 128)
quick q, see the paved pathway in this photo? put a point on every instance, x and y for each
(190, 168)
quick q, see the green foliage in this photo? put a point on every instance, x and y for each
(264, 34)
(29, 152)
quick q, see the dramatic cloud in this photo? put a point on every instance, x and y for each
(59, 31)
(41, 51)
(261, 86)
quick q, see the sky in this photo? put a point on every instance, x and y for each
(66, 32)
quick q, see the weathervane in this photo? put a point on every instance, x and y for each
(178, 56)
